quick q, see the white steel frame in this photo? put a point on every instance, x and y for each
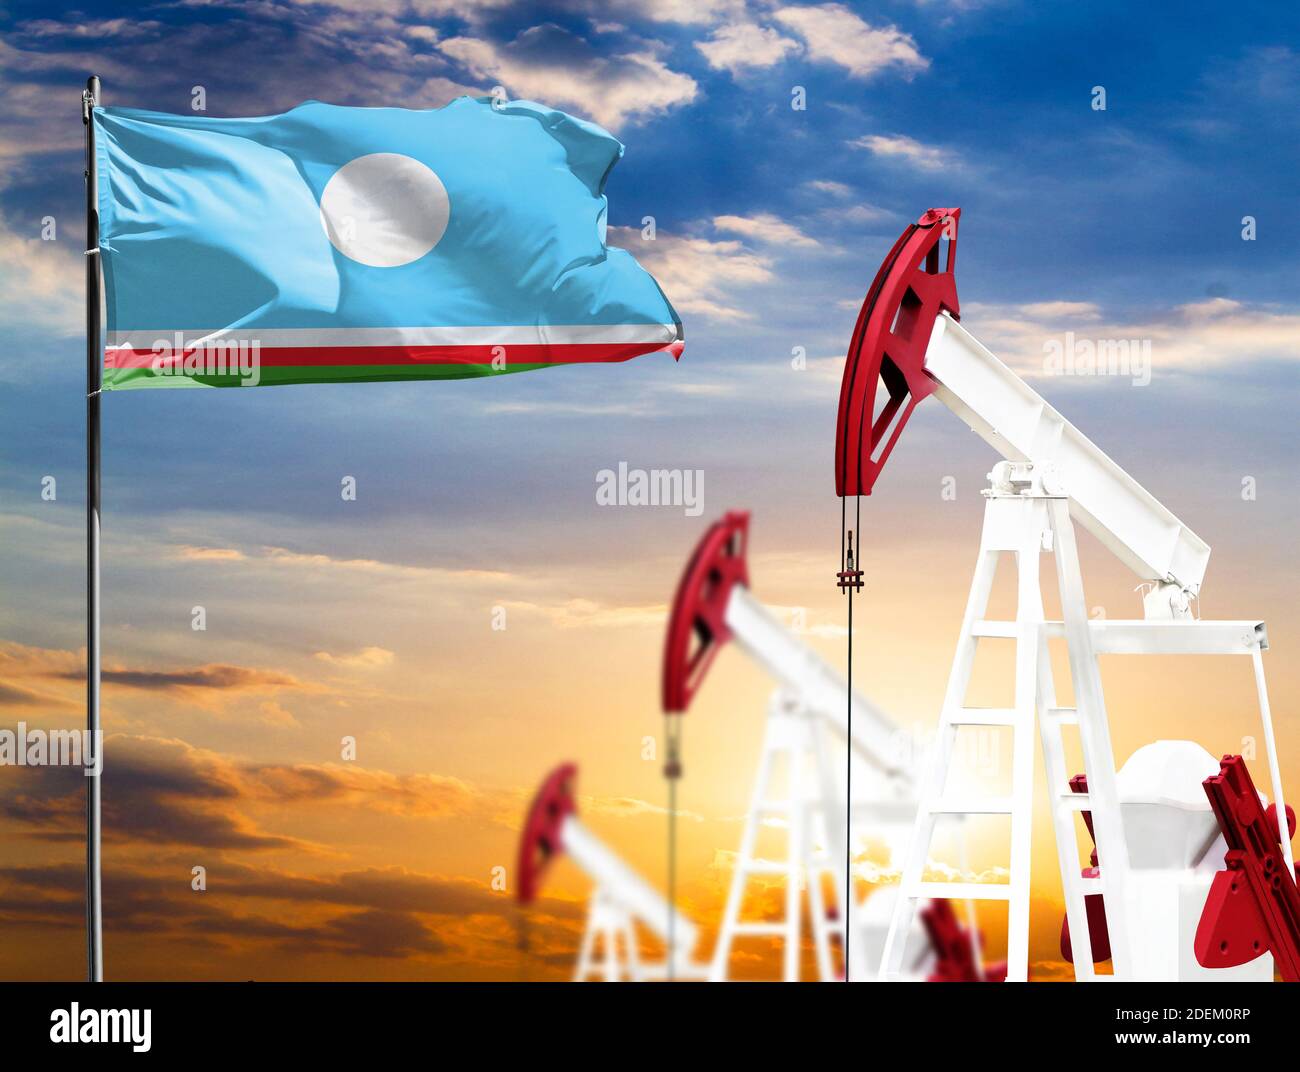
(622, 899)
(1053, 474)
(1027, 513)
(814, 817)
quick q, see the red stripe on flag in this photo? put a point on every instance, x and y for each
(323, 356)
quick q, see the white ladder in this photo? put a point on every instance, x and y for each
(827, 929)
(609, 950)
(792, 735)
(1023, 519)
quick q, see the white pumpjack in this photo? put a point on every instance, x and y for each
(908, 344)
(798, 786)
(621, 901)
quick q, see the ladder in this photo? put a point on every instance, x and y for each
(793, 739)
(1023, 518)
(609, 949)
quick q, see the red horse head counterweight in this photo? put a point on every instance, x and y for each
(888, 347)
(621, 902)
(541, 841)
(1253, 906)
(954, 952)
(1096, 910)
(697, 628)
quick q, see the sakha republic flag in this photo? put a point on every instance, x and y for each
(332, 244)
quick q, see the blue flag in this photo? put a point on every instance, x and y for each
(330, 244)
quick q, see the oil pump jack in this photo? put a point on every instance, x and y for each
(796, 784)
(1206, 907)
(621, 900)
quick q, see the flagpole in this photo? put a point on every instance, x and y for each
(94, 374)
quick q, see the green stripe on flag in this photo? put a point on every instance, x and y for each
(128, 379)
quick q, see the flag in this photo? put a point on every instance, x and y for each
(332, 244)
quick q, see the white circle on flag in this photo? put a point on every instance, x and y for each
(384, 209)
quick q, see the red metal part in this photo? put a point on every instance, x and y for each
(1093, 904)
(697, 628)
(951, 942)
(540, 842)
(849, 578)
(1253, 906)
(888, 347)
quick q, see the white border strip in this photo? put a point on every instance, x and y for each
(536, 334)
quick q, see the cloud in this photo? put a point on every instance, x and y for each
(210, 554)
(20, 696)
(22, 660)
(388, 889)
(628, 407)
(1261, 82)
(1216, 333)
(697, 273)
(366, 659)
(926, 157)
(862, 213)
(764, 227)
(701, 274)
(550, 64)
(624, 807)
(828, 186)
(743, 45)
(218, 677)
(679, 12)
(276, 714)
(423, 796)
(373, 58)
(371, 933)
(24, 669)
(143, 902)
(284, 556)
(384, 913)
(1063, 310)
(834, 34)
(469, 10)
(208, 686)
(94, 30)
(165, 791)
(315, 561)
(586, 614)
(42, 286)
(682, 12)
(381, 934)
(160, 792)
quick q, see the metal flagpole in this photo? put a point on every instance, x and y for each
(94, 373)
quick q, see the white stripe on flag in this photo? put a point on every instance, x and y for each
(538, 334)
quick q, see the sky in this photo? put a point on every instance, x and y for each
(774, 151)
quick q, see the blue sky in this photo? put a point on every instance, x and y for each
(770, 223)
(770, 220)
